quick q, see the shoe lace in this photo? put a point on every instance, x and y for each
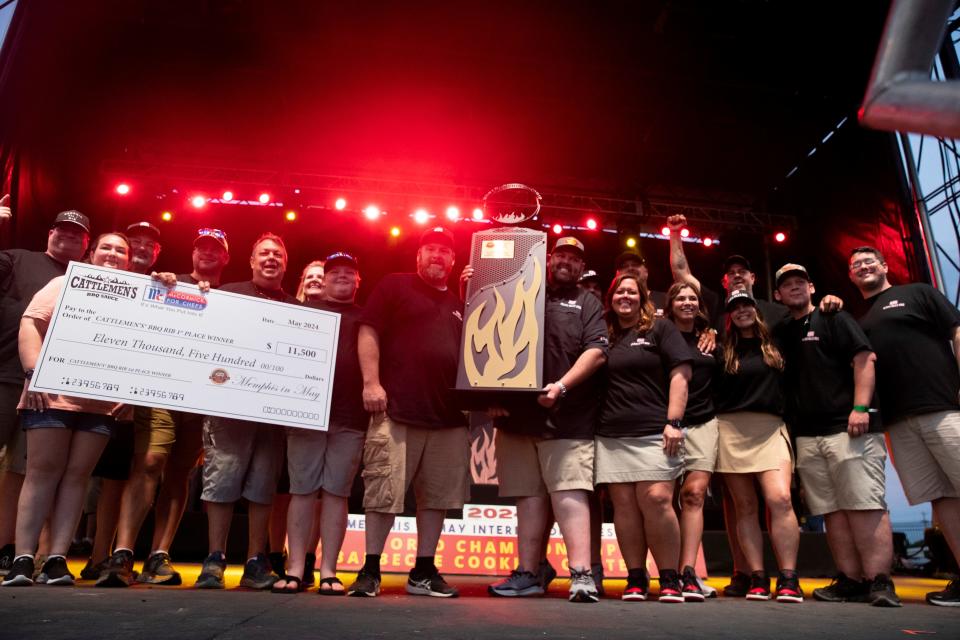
(580, 576)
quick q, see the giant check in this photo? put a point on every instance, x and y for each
(121, 336)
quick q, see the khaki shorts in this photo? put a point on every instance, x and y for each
(528, 466)
(925, 450)
(158, 430)
(435, 461)
(840, 473)
(241, 459)
(640, 459)
(323, 460)
(700, 446)
(752, 442)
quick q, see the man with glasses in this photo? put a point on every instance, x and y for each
(912, 328)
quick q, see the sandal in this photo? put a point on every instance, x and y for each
(330, 591)
(291, 581)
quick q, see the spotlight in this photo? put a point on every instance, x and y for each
(420, 216)
(372, 212)
(291, 215)
(707, 242)
(453, 213)
(591, 224)
(166, 216)
(198, 201)
(227, 196)
(340, 204)
(264, 198)
(780, 236)
(123, 188)
(395, 232)
(557, 229)
(665, 231)
(297, 191)
(684, 233)
(632, 242)
(478, 214)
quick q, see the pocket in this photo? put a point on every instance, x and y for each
(377, 473)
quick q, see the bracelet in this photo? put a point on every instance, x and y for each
(28, 373)
(563, 388)
(861, 408)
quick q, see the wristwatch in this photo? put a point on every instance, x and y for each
(563, 388)
(676, 423)
(28, 373)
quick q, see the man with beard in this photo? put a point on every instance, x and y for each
(544, 448)
(144, 246)
(911, 327)
(22, 274)
(408, 343)
(167, 445)
(241, 457)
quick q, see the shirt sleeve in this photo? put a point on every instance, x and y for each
(673, 348)
(847, 334)
(378, 305)
(945, 315)
(594, 332)
(42, 304)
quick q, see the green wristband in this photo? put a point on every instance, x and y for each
(861, 408)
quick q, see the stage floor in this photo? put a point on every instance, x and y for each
(41, 612)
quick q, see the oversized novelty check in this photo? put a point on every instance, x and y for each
(122, 336)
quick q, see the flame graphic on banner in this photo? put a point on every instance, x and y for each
(500, 329)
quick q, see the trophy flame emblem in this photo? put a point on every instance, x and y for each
(504, 337)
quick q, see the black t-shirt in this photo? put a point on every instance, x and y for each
(419, 329)
(755, 386)
(22, 274)
(700, 407)
(573, 323)
(818, 378)
(910, 326)
(638, 382)
(346, 410)
(249, 288)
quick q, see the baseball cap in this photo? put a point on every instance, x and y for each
(146, 228)
(73, 217)
(628, 255)
(590, 274)
(740, 295)
(569, 242)
(438, 235)
(214, 234)
(736, 259)
(791, 269)
(340, 257)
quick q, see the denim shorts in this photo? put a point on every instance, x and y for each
(61, 419)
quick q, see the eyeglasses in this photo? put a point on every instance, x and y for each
(866, 262)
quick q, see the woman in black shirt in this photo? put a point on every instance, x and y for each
(640, 436)
(754, 445)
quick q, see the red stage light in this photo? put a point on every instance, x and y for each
(453, 213)
(123, 188)
(291, 215)
(227, 196)
(395, 231)
(167, 216)
(780, 236)
(591, 224)
(665, 231)
(340, 204)
(557, 229)
(684, 233)
(198, 201)
(478, 214)
(264, 198)
(372, 212)
(420, 216)
(707, 242)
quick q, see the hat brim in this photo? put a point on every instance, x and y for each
(793, 272)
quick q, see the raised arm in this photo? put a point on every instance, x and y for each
(678, 260)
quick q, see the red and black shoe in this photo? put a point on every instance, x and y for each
(670, 589)
(788, 587)
(759, 586)
(691, 586)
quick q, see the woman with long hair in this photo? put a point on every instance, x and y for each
(311, 282)
(640, 435)
(754, 446)
(65, 437)
(686, 310)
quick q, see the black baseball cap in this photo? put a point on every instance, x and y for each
(590, 274)
(340, 257)
(736, 259)
(630, 254)
(145, 228)
(438, 235)
(740, 295)
(73, 217)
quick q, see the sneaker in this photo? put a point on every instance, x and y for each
(119, 571)
(92, 571)
(670, 589)
(430, 585)
(211, 574)
(597, 571)
(7, 554)
(882, 593)
(309, 566)
(520, 583)
(690, 586)
(21, 573)
(546, 573)
(708, 591)
(159, 570)
(788, 587)
(582, 586)
(949, 597)
(739, 585)
(258, 574)
(55, 572)
(366, 585)
(842, 589)
(759, 586)
(636, 589)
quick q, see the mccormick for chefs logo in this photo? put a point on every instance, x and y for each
(159, 294)
(101, 287)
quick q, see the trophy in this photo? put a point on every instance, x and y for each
(502, 345)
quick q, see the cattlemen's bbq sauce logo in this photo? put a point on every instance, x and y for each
(101, 287)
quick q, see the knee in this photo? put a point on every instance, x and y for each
(153, 465)
(780, 503)
(745, 504)
(658, 500)
(692, 498)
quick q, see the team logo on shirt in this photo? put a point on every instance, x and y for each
(570, 304)
(810, 337)
(893, 304)
(161, 295)
(641, 342)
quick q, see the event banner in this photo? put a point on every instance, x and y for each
(483, 542)
(125, 337)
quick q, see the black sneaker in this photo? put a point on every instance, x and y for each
(309, 566)
(7, 554)
(690, 586)
(671, 590)
(842, 589)
(159, 570)
(882, 592)
(759, 586)
(21, 573)
(739, 585)
(432, 584)
(258, 574)
(366, 585)
(788, 587)
(93, 570)
(55, 572)
(636, 589)
(546, 573)
(119, 571)
(211, 575)
(949, 597)
(597, 571)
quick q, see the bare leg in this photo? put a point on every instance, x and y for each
(299, 523)
(784, 530)
(843, 547)
(138, 496)
(429, 528)
(108, 514)
(45, 467)
(378, 528)
(733, 537)
(531, 524)
(628, 522)
(660, 522)
(874, 539)
(85, 450)
(219, 516)
(278, 522)
(333, 527)
(315, 529)
(258, 518)
(596, 526)
(744, 498)
(692, 495)
(946, 512)
(172, 501)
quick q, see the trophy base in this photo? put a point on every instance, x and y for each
(483, 399)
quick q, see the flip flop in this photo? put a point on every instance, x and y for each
(293, 581)
(330, 591)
